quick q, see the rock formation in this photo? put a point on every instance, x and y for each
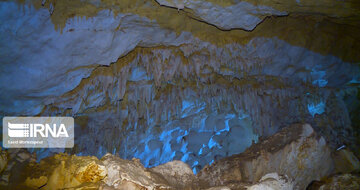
(196, 81)
(290, 159)
(273, 181)
(340, 181)
(295, 151)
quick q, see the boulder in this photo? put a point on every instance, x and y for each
(346, 161)
(273, 181)
(177, 173)
(130, 174)
(296, 151)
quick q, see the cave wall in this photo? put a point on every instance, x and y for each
(188, 80)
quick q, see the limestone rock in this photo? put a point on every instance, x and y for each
(15, 159)
(36, 183)
(248, 14)
(346, 161)
(343, 181)
(74, 171)
(90, 172)
(138, 55)
(3, 160)
(99, 36)
(273, 181)
(176, 173)
(22, 156)
(295, 151)
(56, 172)
(108, 89)
(130, 174)
(219, 188)
(179, 4)
(159, 84)
(225, 17)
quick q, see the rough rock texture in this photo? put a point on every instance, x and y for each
(248, 14)
(3, 160)
(244, 15)
(176, 173)
(126, 100)
(123, 174)
(218, 188)
(17, 160)
(273, 181)
(291, 159)
(295, 151)
(346, 161)
(63, 171)
(188, 80)
(341, 181)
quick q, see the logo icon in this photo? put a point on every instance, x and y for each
(38, 132)
(18, 130)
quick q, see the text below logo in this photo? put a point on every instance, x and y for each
(38, 132)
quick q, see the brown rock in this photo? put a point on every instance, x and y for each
(176, 173)
(3, 160)
(344, 181)
(74, 171)
(295, 151)
(131, 174)
(273, 181)
(36, 183)
(346, 161)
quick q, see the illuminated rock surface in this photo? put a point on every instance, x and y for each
(190, 80)
(296, 152)
(273, 181)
